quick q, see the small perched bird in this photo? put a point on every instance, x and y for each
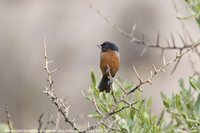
(109, 64)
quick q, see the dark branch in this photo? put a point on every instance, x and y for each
(8, 119)
(40, 123)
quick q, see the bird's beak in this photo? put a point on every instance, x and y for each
(99, 46)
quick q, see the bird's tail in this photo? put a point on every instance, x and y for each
(105, 84)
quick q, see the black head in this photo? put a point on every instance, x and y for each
(108, 46)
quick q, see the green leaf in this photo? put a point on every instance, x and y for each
(146, 117)
(94, 82)
(122, 123)
(193, 83)
(132, 113)
(96, 91)
(197, 105)
(166, 104)
(103, 107)
(184, 115)
(178, 103)
(131, 124)
(88, 98)
(95, 115)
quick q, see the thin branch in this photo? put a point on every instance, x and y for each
(49, 91)
(40, 123)
(141, 82)
(143, 51)
(120, 86)
(8, 119)
(178, 14)
(138, 76)
(113, 95)
(176, 65)
(182, 40)
(49, 121)
(158, 40)
(173, 41)
(97, 108)
(57, 122)
(136, 40)
(161, 69)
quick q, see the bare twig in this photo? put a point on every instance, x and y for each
(49, 122)
(97, 108)
(182, 39)
(120, 86)
(49, 91)
(136, 40)
(8, 119)
(187, 35)
(173, 41)
(176, 65)
(138, 76)
(161, 69)
(141, 82)
(113, 95)
(40, 123)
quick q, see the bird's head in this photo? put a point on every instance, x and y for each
(108, 46)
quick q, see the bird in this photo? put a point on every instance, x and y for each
(109, 65)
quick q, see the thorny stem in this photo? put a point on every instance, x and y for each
(49, 91)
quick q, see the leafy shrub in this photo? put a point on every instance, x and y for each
(183, 109)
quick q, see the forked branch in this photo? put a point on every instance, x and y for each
(49, 91)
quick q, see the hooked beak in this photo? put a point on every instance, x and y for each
(99, 46)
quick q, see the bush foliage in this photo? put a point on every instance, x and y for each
(182, 109)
